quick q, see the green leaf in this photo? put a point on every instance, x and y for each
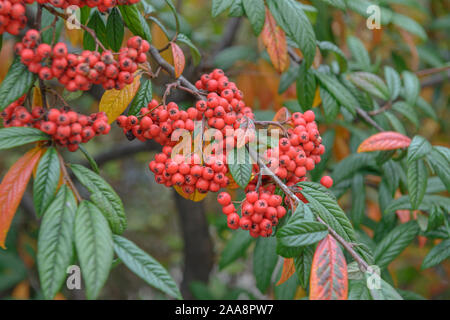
(370, 83)
(417, 176)
(219, 6)
(394, 243)
(196, 55)
(338, 91)
(385, 290)
(359, 53)
(411, 86)
(256, 13)
(240, 166)
(46, 181)
(324, 205)
(236, 9)
(46, 21)
(145, 266)
(440, 165)
(329, 46)
(229, 56)
(103, 196)
(393, 82)
(16, 83)
(357, 290)
(358, 199)
(396, 124)
(336, 3)
(115, 28)
(352, 164)
(329, 104)
(293, 20)
(418, 148)
(95, 23)
(17, 136)
(288, 78)
(55, 242)
(71, 95)
(175, 14)
(303, 264)
(426, 108)
(306, 87)
(135, 21)
(264, 261)
(235, 248)
(84, 14)
(142, 97)
(94, 244)
(409, 25)
(438, 254)
(90, 159)
(407, 111)
(301, 233)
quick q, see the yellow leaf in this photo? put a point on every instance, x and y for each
(114, 102)
(37, 97)
(195, 196)
(75, 36)
(317, 100)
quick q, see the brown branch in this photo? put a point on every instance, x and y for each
(171, 71)
(431, 71)
(384, 108)
(363, 114)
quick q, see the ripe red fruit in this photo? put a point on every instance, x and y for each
(224, 198)
(228, 209)
(326, 181)
(233, 221)
(252, 197)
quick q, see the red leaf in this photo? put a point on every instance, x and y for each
(328, 272)
(388, 140)
(178, 59)
(288, 270)
(13, 187)
(274, 40)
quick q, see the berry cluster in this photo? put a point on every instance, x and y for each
(81, 71)
(12, 16)
(299, 152)
(224, 108)
(67, 128)
(260, 211)
(224, 111)
(187, 174)
(157, 122)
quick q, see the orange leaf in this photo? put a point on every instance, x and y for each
(274, 40)
(328, 272)
(388, 140)
(178, 59)
(13, 187)
(288, 270)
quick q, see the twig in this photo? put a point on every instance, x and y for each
(85, 28)
(363, 114)
(348, 246)
(384, 108)
(431, 71)
(68, 180)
